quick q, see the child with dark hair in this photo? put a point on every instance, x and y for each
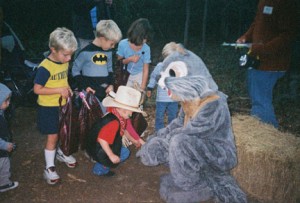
(135, 52)
(6, 146)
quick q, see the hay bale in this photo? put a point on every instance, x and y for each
(268, 161)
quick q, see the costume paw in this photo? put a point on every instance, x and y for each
(171, 193)
(154, 152)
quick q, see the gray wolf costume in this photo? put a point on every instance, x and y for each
(198, 146)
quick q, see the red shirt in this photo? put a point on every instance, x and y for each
(109, 131)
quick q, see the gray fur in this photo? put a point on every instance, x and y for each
(201, 153)
(188, 88)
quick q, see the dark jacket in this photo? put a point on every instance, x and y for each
(82, 25)
(5, 134)
(272, 33)
(94, 148)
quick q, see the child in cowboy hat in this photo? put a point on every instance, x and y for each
(104, 142)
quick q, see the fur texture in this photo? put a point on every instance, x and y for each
(198, 145)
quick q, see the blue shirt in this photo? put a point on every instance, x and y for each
(125, 51)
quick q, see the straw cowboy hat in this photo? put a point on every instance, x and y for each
(125, 98)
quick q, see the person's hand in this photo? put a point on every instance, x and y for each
(136, 143)
(88, 89)
(241, 40)
(114, 158)
(65, 92)
(10, 147)
(134, 58)
(109, 89)
(148, 93)
(70, 91)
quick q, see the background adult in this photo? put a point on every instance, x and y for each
(272, 34)
(86, 14)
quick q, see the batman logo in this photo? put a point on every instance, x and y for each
(99, 59)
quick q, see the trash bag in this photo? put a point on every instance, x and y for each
(121, 75)
(89, 113)
(139, 122)
(68, 127)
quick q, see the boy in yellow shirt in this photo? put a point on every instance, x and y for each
(51, 82)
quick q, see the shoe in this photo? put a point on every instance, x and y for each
(89, 157)
(9, 186)
(51, 176)
(109, 174)
(70, 161)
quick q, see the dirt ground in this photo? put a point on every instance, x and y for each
(133, 181)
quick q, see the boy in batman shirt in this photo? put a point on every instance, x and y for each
(92, 69)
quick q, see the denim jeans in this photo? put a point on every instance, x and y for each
(161, 107)
(100, 169)
(260, 89)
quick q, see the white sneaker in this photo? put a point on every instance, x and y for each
(70, 161)
(51, 176)
(9, 186)
(89, 157)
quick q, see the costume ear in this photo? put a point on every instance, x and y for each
(177, 69)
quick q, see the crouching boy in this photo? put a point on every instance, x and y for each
(104, 143)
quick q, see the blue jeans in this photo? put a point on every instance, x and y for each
(161, 107)
(100, 169)
(260, 89)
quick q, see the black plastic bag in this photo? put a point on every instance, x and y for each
(121, 75)
(89, 113)
(68, 127)
(139, 123)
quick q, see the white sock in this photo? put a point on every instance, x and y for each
(49, 157)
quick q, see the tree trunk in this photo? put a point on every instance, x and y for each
(204, 26)
(187, 22)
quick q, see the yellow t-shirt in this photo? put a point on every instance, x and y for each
(58, 78)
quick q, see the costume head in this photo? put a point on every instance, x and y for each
(186, 77)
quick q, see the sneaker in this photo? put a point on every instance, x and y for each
(109, 174)
(9, 186)
(89, 157)
(70, 161)
(51, 176)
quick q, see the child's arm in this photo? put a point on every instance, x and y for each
(145, 76)
(63, 91)
(153, 79)
(105, 146)
(137, 142)
(7, 146)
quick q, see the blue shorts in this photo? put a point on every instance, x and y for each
(48, 119)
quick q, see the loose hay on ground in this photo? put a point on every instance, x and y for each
(269, 161)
